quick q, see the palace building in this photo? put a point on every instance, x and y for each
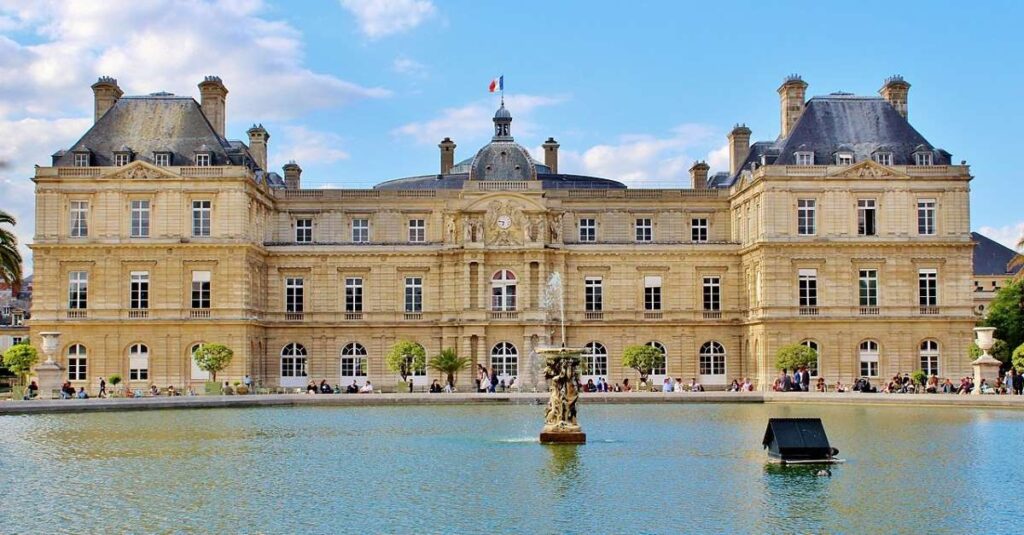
(848, 232)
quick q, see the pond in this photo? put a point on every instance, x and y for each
(472, 469)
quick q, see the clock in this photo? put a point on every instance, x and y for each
(504, 222)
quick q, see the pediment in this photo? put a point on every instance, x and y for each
(140, 170)
(866, 169)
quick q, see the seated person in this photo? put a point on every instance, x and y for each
(81, 393)
(448, 388)
(590, 386)
(933, 385)
(227, 390)
(325, 388)
(33, 391)
(435, 387)
(819, 386)
(626, 387)
(310, 388)
(171, 391)
(352, 388)
(735, 386)
(679, 386)
(747, 386)
(367, 388)
(618, 388)
(154, 391)
(840, 387)
(666, 385)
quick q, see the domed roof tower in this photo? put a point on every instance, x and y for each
(502, 158)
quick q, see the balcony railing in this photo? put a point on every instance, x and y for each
(353, 316)
(808, 311)
(504, 315)
(712, 314)
(593, 315)
(294, 316)
(652, 315)
(139, 314)
(868, 311)
(929, 310)
(78, 314)
(413, 316)
(199, 314)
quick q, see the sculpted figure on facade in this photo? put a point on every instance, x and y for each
(555, 228)
(504, 223)
(450, 229)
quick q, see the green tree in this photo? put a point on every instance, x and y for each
(213, 358)
(10, 258)
(19, 359)
(1018, 358)
(919, 377)
(449, 363)
(643, 359)
(405, 358)
(1018, 261)
(1006, 314)
(1000, 351)
(793, 356)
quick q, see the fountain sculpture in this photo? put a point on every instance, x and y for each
(561, 367)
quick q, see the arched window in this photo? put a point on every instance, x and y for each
(930, 357)
(138, 362)
(198, 374)
(813, 368)
(659, 367)
(869, 358)
(293, 365)
(595, 360)
(353, 361)
(711, 361)
(505, 361)
(503, 291)
(77, 365)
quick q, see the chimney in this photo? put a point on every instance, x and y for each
(447, 147)
(551, 154)
(105, 93)
(258, 138)
(213, 99)
(292, 174)
(739, 146)
(894, 91)
(791, 97)
(699, 175)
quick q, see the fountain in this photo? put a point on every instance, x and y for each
(561, 367)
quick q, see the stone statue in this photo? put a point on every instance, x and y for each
(556, 229)
(533, 229)
(560, 425)
(450, 229)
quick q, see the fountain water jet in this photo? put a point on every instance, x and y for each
(561, 367)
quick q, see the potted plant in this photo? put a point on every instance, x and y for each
(919, 378)
(643, 359)
(449, 363)
(404, 359)
(19, 359)
(114, 380)
(213, 358)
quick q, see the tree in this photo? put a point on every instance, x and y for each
(10, 258)
(793, 356)
(405, 358)
(213, 358)
(643, 359)
(919, 377)
(19, 359)
(1000, 351)
(1018, 358)
(449, 363)
(1006, 314)
(1018, 261)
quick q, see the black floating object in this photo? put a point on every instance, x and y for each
(798, 440)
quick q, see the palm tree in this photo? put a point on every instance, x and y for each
(1018, 260)
(10, 258)
(448, 363)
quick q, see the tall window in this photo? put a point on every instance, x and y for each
(869, 358)
(200, 289)
(79, 219)
(866, 217)
(201, 211)
(303, 230)
(414, 294)
(138, 362)
(868, 288)
(353, 294)
(926, 217)
(594, 359)
(712, 359)
(140, 219)
(78, 290)
(417, 230)
(353, 360)
(813, 367)
(699, 229)
(293, 365)
(712, 294)
(360, 230)
(808, 287)
(930, 357)
(652, 293)
(202, 160)
(294, 299)
(660, 367)
(805, 221)
(505, 360)
(593, 294)
(588, 229)
(503, 291)
(928, 287)
(77, 365)
(644, 229)
(139, 290)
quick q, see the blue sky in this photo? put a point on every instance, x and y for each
(361, 91)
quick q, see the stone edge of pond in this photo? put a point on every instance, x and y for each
(292, 400)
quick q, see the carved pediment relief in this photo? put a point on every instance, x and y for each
(866, 169)
(138, 170)
(504, 223)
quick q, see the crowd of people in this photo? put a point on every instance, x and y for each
(1011, 383)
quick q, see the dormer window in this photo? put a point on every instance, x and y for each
(844, 158)
(922, 158)
(203, 159)
(882, 158)
(163, 159)
(82, 159)
(804, 157)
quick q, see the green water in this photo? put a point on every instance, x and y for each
(474, 469)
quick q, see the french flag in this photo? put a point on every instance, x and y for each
(497, 84)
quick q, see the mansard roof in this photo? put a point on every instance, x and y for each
(458, 180)
(991, 257)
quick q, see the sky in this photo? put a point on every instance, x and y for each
(361, 91)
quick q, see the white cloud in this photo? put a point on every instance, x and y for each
(1007, 235)
(380, 18)
(409, 67)
(718, 159)
(472, 122)
(310, 147)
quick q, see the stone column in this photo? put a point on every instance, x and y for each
(985, 367)
(49, 373)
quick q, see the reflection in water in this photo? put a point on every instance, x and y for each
(564, 461)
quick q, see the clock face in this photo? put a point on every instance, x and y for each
(504, 221)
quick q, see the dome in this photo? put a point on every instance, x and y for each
(503, 113)
(502, 160)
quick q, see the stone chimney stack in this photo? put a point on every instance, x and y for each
(213, 99)
(551, 154)
(292, 175)
(739, 146)
(258, 138)
(791, 97)
(699, 175)
(894, 91)
(105, 93)
(447, 147)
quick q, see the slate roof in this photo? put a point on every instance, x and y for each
(991, 257)
(458, 180)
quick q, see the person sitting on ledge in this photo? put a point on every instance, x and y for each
(33, 391)
(512, 383)
(367, 388)
(590, 386)
(171, 391)
(352, 388)
(666, 385)
(947, 386)
(819, 386)
(626, 387)
(336, 389)
(933, 385)
(986, 388)
(747, 386)
(695, 386)
(449, 389)
(840, 387)
(311, 387)
(155, 391)
(81, 393)
(227, 390)
(325, 388)
(435, 387)
(678, 385)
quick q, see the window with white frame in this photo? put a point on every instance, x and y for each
(884, 158)
(503, 291)
(139, 290)
(594, 359)
(593, 295)
(926, 217)
(644, 229)
(930, 357)
(928, 287)
(807, 280)
(413, 294)
(81, 159)
(417, 230)
(201, 218)
(200, 289)
(922, 158)
(304, 231)
(844, 158)
(505, 361)
(360, 230)
(293, 365)
(140, 218)
(162, 159)
(652, 293)
(588, 229)
(712, 359)
(353, 294)
(869, 358)
(138, 362)
(813, 367)
(699, 229)
(294, 295)
(15, 340)
(712, 294)
(79, 219)
(866, 212)
(202, 159)
(77, 363)
(122, 158)
(660, 366)
(868, 287)
(805, 217)
(804, 158)
(78, 290)
(353, 361)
